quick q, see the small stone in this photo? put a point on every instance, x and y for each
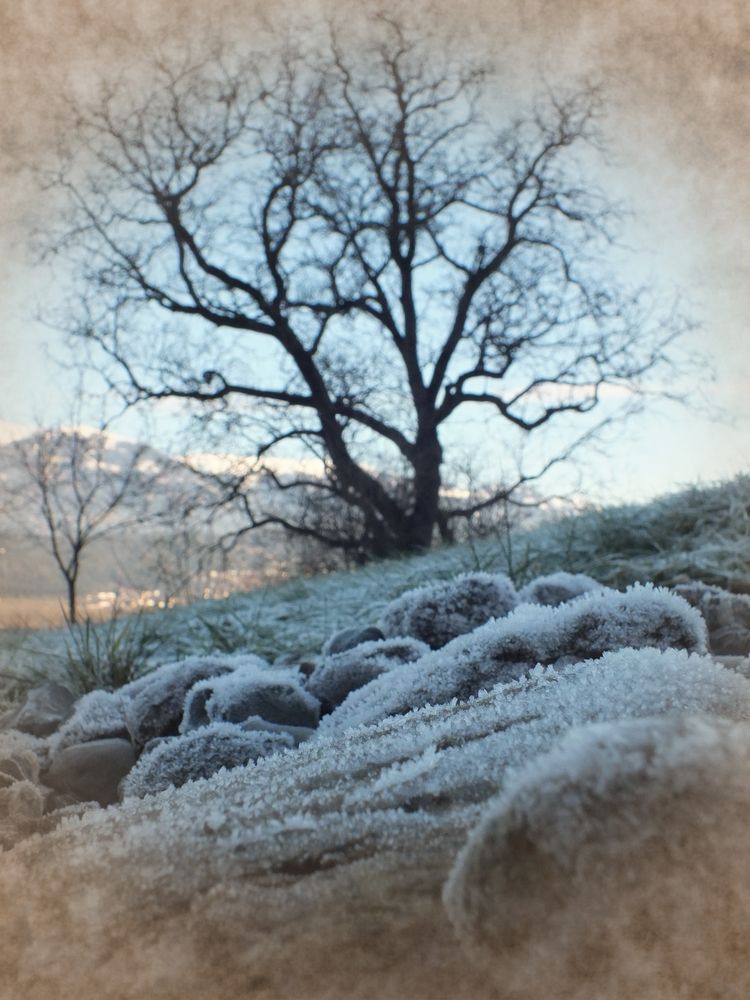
(439, 612)
(338, 674)
(348, 638)
(276, 696)
(200, 754)
(44, 708)
(255, 724)
(91, 771)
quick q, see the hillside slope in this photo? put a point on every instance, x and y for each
(554, 803)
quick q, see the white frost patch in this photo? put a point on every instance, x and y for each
(199, 755)
(532, 634)
(438, 612)
(618, 863)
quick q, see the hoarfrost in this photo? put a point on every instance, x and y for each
(154, 703)
(439, 612)
(251, 690)
(640, 826)
(557, 588)
(336, 675)
(361, 823)
(199, 755)
(533, 634)
(442, 761)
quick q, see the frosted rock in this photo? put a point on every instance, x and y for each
(91, 772)
(557, 588)
(616, 866)
(502, 650)
(727, 616)
(97, 715)
(21, 811)
(251, 690)
(439, 612)
(43, 709)
(154, 703)
(348, 638)
(200, 754)
(338, 675)
(18, 765)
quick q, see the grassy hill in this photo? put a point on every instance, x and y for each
(578, 831)
(698, 533)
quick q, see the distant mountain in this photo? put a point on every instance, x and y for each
(139, 530)
(161, 483)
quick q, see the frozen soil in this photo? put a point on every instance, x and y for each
(317, 872)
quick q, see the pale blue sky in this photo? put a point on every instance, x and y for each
(679, 125)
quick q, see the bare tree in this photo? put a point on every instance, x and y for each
(337, 249)
(186, 561)
(81, 495)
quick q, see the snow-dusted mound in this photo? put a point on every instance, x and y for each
(438, 612)
(557, 588)
(509, 647)
(316, 872)
(616, 866)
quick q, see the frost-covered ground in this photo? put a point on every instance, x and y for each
(697, 534)
(552, 804)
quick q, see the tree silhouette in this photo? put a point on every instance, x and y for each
(81, 496)
(337, 248)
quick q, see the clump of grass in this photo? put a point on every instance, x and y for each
(231, 633)
(228, 634)
(700, 533)
(107, 655)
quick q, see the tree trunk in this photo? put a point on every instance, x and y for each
(72, 603)
(420, 526)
